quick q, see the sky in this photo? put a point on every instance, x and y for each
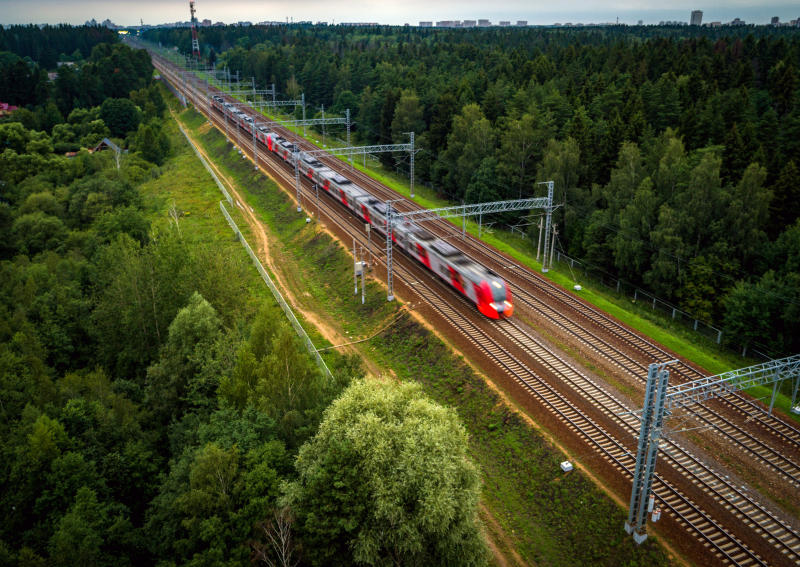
(126, 12)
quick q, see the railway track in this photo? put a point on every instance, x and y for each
(599, 333)
(724, 545)
(760, 449)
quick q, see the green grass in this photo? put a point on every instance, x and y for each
(552, 518)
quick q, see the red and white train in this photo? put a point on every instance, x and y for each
(476, 282)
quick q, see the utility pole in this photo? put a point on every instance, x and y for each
(296, 157)
(411, 153)
(539, 242)
(355, 269)
(369, 241)
(255, 146)
(323, 125)
(649, 436)
(548, 220)
(363, 287)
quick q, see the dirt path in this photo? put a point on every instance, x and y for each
(262, 245)
(501, 546)
(271, 257)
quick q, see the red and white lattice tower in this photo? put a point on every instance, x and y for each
(195, 42)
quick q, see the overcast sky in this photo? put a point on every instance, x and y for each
(126, 12)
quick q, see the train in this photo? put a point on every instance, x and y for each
(483, 287)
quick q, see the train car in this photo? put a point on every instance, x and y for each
(285, 149)
(248, 123)
(477, 283)
(261, 134)
(309, 165)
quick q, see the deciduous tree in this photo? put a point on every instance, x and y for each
(388, 480)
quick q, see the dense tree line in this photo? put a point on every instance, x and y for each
(49, 44)
(674, 150)
(152, 412)
(109, 71)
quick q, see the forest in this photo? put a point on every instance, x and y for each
(154, 410)
(674, 150)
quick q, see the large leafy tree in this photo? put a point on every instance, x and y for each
(223, 481)
(472, 139)
(387, 480)
(274, 374)
(178, 382)
(120, 115)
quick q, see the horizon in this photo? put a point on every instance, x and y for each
(411, 12)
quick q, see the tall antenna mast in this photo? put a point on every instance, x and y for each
(195, 42)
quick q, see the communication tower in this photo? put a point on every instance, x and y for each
(195, 42)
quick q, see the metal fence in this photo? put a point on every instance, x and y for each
(640, 296)
(208, 167)
(301, 332)
(175, 91)
(278, 297)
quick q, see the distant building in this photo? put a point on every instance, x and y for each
(205, 23)
(775, 21)
(504, 24)
(640, 23)
(737, 22)
(6, 109)
(104, 144)
(484, 23)
(522, 23)
(426, 24)
(468, 23)
(697, 17)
